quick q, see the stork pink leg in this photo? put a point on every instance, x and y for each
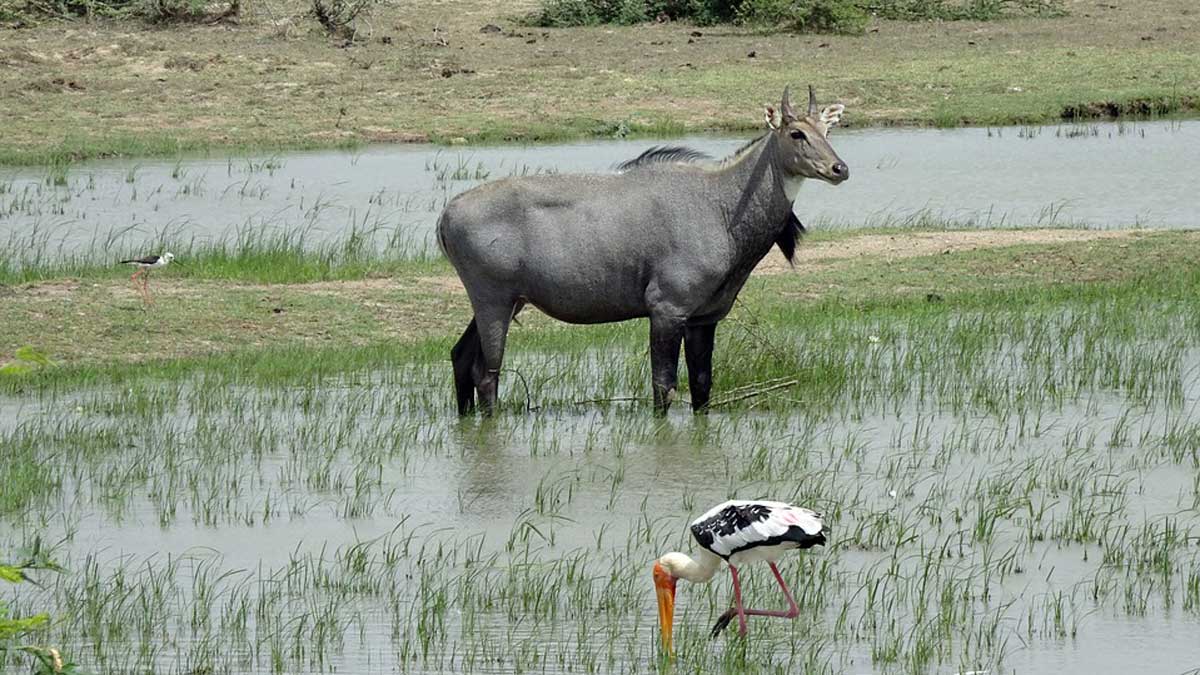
(791, 612)
(737, 601)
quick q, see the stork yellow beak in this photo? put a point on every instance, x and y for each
(664, 587)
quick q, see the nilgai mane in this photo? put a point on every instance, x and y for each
(670, 236)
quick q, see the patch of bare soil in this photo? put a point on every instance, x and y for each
(373, 284)
(55, 85)
(446, 284)
(916, 244)
(441, 283)
(46, 289)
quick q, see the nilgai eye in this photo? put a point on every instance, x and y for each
(797, 134)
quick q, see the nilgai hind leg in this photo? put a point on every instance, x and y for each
(467, 357)
(481, 356)
(698, 349)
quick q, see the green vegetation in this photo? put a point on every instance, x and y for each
(15, 630)
(342, 18)
(964, 10)
(1001, 439)
(28, 12)
(832, 16)
(25, 360)
(259, 255)
(820, 16)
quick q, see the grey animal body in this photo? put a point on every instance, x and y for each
(670, 237)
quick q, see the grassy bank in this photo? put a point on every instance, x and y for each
(209, 316)
(252, 255)
(78, 90)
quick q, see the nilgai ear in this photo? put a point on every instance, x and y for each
(832, 114)
(787, 115)
(772, 118)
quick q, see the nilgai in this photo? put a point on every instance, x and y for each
(670, 236)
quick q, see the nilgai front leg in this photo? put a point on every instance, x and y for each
(666, 334)
(698, 348)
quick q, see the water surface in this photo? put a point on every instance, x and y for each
(356, 525)
(1102, 175)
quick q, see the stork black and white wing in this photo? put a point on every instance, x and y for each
(737, 526)
(738, 532)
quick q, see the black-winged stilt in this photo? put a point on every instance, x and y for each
(144, 266)
(737, 532)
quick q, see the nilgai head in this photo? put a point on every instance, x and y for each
(804, 140)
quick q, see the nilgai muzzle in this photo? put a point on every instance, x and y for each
(670, 236)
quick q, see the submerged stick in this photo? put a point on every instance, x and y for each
(756, 392)
(618, 399)
(758, 385)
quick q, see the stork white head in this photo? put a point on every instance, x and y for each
(668, 570)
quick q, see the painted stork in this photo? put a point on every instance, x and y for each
(736, 532)
(144, 265)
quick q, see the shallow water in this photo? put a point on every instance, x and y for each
(1103, 175)
(227, 513)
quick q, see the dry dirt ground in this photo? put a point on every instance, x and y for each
(913, 244)
(424, 70)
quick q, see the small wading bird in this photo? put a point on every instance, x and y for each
(736, 532)
(144, 266)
